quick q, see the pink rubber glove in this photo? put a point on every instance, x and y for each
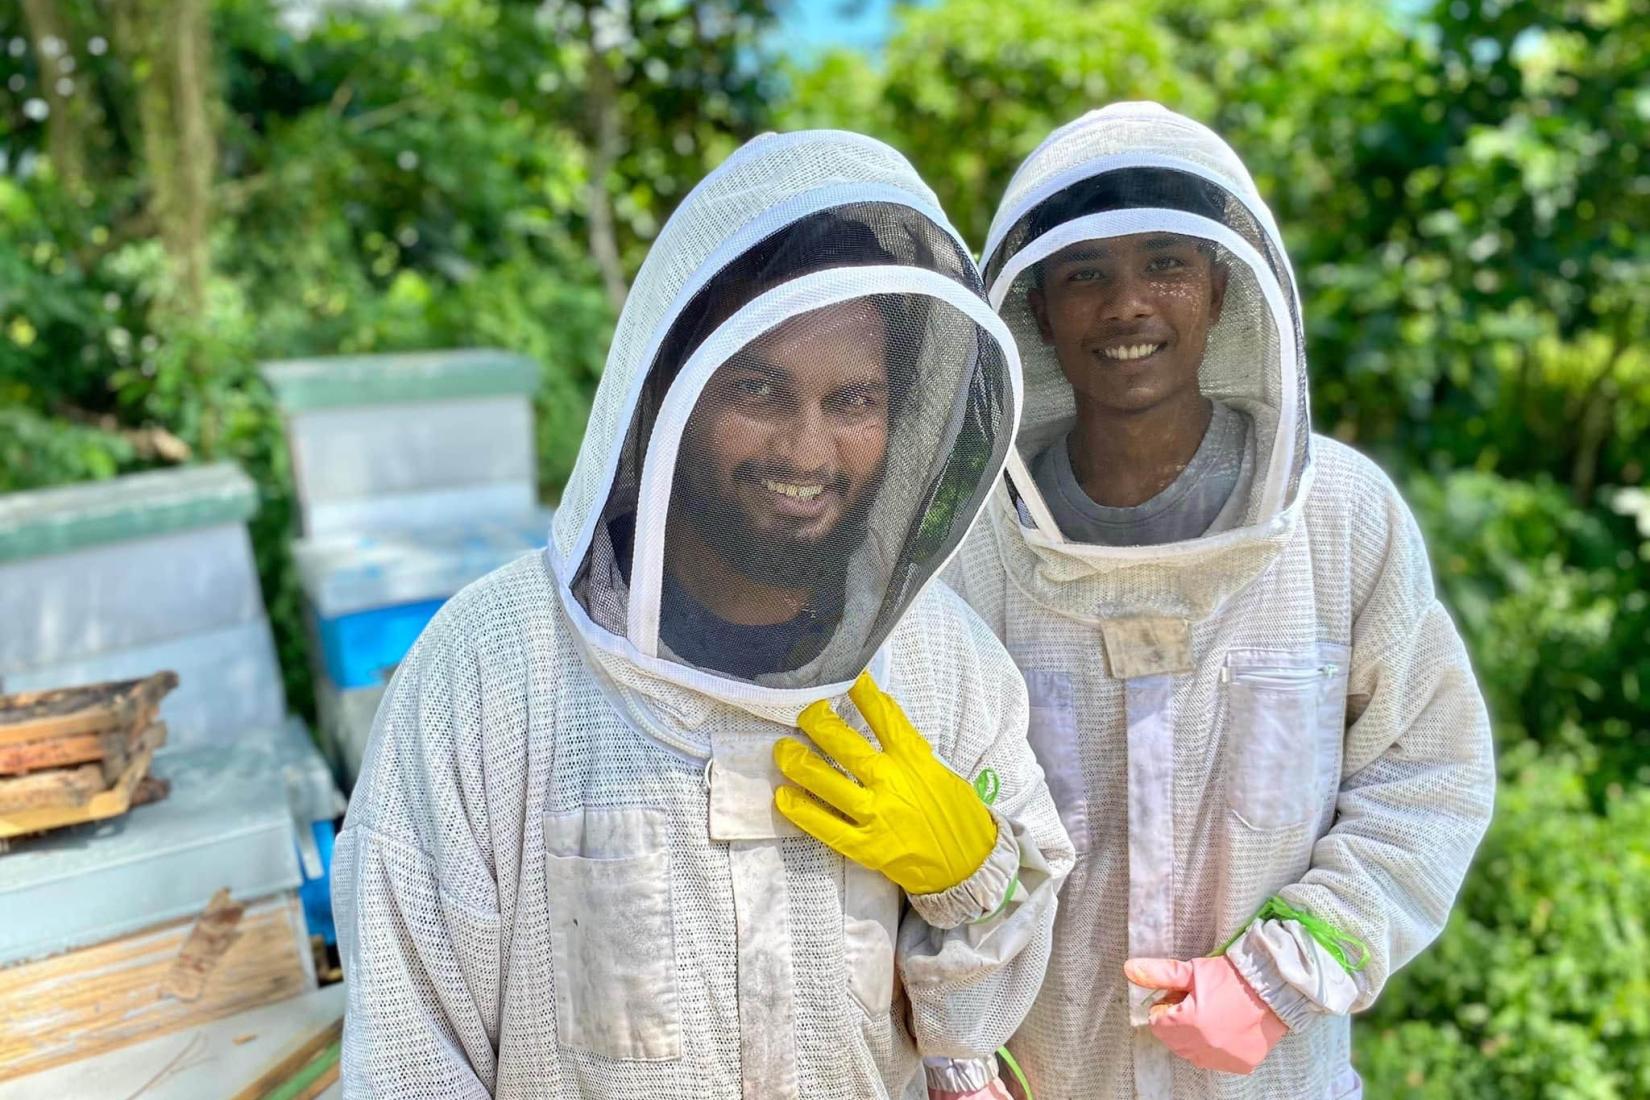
(994, 1091)
(1211, 1017)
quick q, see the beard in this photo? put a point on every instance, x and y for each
(817, 565)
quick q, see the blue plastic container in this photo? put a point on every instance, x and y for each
(362, 648)
(316, 892)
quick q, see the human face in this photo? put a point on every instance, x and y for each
(1128, 317)
(787, 441)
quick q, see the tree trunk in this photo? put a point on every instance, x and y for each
(64, 90)
(606, 142)
(166, 43)
(1597, 407)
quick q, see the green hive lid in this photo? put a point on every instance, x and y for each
(55, 521)
(339, 380)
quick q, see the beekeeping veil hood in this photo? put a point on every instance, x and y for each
(806, 394)
(1139, 169)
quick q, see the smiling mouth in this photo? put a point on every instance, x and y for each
(1125, 353)
(792, 490)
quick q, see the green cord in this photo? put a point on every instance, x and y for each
(1014, 1068)
(1330, 938)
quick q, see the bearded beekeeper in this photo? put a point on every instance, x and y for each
(1258, 723)
(574, 866)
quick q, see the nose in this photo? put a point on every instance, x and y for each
(806, 441)
(1129, 300)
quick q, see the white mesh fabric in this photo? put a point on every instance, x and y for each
(1327, 744)
(1407, 778)
(448, 914)
(551, 881)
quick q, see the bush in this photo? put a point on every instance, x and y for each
(1539, 988)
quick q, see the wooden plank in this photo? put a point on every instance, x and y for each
(90, 708)
(51, 790)
(108, 803)
(211, 938)
(99, 998)
(52, 752)
(292, 1062)
(113, 748)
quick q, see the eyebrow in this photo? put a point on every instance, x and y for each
(1091, 251)
(1094, 250)
(748, 360)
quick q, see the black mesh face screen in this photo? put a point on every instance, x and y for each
(829, 463)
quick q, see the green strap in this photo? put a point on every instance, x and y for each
(1014, 1068)
(1330, 938)
(987, 786)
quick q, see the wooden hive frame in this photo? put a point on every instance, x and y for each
(77, 754)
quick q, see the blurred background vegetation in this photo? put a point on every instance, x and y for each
(190, 186)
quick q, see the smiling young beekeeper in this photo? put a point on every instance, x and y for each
(1257, 721)
(570, 868)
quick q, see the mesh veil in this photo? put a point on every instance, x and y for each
(1129, 172)
(814, 425)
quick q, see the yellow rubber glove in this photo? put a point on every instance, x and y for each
(908, 816)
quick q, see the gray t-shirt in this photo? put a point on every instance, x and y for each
(1202, 500)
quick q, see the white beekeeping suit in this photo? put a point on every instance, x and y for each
(1272, 705)
(563, 874)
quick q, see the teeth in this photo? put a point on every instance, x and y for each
(800, 492)
(1132, 351)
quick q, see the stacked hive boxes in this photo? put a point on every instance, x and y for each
(415, 475)
(120, 579)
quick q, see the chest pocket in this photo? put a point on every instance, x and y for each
(870, 923)
(1286, 720)
(607, 877)
(1053, 737)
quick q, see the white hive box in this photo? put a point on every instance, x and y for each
(371, 595)
(227, 822)
(415, 440)
(121, 578)
(346, 717)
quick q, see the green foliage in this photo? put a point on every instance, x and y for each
(36, 452)
(1540, 986)
(1552, 601)
(1462, 186)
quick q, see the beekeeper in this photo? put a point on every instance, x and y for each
(569, 868)
(1259, 724)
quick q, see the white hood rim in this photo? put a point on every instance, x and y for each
(1116, 162)
(817, 290)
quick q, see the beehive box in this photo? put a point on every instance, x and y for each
(383, 442)
(227, 822)
(117, 579)
(85, 1002)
